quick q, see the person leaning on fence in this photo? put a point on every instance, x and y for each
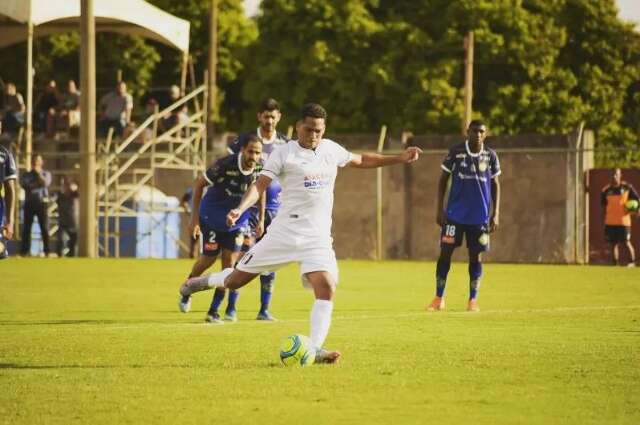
(115, 111)
(13, 108)
(67, 211)
(177, 115)
(46, 109)
(617, 220)
(69, 115)
(36, 198)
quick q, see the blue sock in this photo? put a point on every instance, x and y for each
(233, 298)
(218, 296)
(266, 290)
(442, 270)
(475, 272)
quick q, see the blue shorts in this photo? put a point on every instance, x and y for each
(250, 232)
(212, 242)
(477, 235)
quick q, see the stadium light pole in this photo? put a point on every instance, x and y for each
(87, 130)
(29, 108)
(213, 67)
(468, 81)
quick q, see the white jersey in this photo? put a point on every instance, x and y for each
(307, 178)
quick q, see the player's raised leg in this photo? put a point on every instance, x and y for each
(202, 263)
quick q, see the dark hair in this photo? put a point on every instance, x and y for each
(313, 110)
(250, 139)
(269, 104)
(477, 123)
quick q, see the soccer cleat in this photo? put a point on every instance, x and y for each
(230, 316)
(327, 357)
(266, 316)
(436, 305)
(184, 303)
(473, 305)
(213, 318)
(631, 265)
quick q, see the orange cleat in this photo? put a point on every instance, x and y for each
(436, 305)
(473, 305)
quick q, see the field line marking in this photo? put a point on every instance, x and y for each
(361, 317)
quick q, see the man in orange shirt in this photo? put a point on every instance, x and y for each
(617, 219)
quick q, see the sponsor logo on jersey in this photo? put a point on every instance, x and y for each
(211, 246)
(233, 173)
(317, 181)
(482, 166)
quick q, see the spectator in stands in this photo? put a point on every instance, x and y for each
(177, 115)
(115, 111)
(46, 109)
(69, 116)
(36, 199)
(12, 113)
(67, 200)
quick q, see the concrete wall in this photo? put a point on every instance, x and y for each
(537, 208)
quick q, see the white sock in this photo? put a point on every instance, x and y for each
(216, 280)
(320, 321)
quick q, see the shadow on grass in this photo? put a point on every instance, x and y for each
(58, 322)
(79, 366)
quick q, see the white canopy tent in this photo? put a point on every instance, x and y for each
(132, 17)
(22, 20)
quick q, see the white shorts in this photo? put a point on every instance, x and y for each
(275, 251)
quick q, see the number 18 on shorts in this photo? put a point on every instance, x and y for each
(477, 235)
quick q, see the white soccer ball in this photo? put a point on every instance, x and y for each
(297, 350)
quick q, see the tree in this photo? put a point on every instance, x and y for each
(540, 66)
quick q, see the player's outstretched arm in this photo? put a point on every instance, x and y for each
(442, 189)
(375, 160)
(198, 189)
(250, 197)
(495, 198)
(10, 200)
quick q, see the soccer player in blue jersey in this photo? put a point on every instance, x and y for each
(259, 220)
(8, 176)
(472, 211)
(228, 179)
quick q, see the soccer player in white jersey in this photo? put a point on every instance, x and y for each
(301, 232)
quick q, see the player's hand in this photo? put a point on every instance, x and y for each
(233, 216)
(412, 153)
(7, 231)
(259, 229)
(440, 218)
(494, 223)
(194, 228)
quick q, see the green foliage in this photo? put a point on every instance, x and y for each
(102, 342)
(539, 66)
(235, 32)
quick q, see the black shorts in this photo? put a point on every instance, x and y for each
(250, 232)
(477, 235)
(617, 234)
(213, 241)
(4, 253)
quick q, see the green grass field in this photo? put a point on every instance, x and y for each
(101, 342)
